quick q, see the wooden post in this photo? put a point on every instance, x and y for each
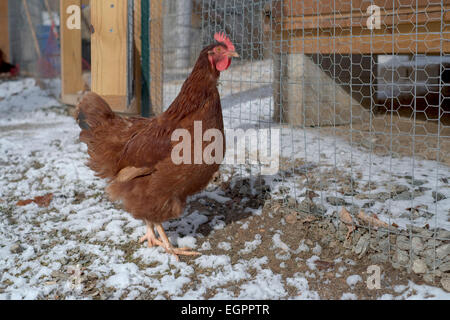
(156, 56)
(4, 30)
(137, 56)
(71, 72)
(109, 52)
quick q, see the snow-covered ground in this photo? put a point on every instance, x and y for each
(42, 249)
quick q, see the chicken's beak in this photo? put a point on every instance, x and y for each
(232, 54)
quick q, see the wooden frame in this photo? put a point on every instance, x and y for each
(109, 52)
(72, 83)
(4, 28)
(108, 55)
(156, 56)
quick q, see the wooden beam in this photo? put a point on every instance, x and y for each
(137, 56)
(339, 20)
(156, 56)
(4, 29)
(71, 71)
(282, 8)
(361, 41)
(109, 52)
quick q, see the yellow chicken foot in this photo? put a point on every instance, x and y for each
(150, 236)
(168, 246)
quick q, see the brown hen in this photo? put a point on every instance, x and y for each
(134, 154)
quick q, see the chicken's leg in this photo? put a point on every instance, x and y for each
(168, 246)
(150, 236)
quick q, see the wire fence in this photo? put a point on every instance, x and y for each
(360, 93)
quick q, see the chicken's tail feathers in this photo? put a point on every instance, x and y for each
(93, 111)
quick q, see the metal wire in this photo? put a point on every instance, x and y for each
(361, 120)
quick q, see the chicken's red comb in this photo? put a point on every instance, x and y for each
(221, 37)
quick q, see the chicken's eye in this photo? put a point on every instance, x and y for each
(218, 49)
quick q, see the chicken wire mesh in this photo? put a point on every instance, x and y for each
(360, 93)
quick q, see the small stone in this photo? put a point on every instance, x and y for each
(419, 266)
(403, 243)
(291, 218)
(397, 189)
(432, 244)
(444, 234)
(244, 190)
(333, 244)
(443, 251)
(401, 257)
(445, 267)
(384, 245)
(335, 201)
(16, 248)
(362, 245)
(407, 195)
(417, 244)
(292, 202)
(382, 196)
(379, 258)
(437, 196)
(445, 283)
(423, 232)
(368, 204)
(428, 278)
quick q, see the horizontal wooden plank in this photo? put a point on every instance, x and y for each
(377, 44)
(422, 16)
(293, 8)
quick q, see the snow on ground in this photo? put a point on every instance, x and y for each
(43, 250)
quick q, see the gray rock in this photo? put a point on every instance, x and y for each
(401, 257)
(382, 196)
(379, 258)
(437, 196)
(368, 204)
(397, 189)
(407, 195)
(418, 182)
(403, 243)
(414, 181)
(417, 245)
(445, 267)
(419, 266)
(16, 248)
(432, 244)
(308, 206)
(443, 234)
(362, 245)
(445, 283)
(428, 278)
(335, 201)
(421, 231)
(443, 251)
(384, 245)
